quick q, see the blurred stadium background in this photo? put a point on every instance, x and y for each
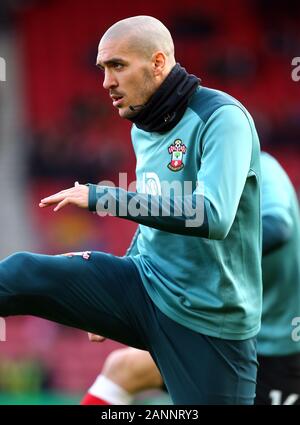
(57, 125)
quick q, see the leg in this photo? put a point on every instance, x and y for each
(199, 369)
(132, 369)
(99, 294)
(125, 372)
(105, 295)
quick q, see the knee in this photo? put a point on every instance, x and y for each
(117, 362)
(12, 283)
(14, 268)
(28, 285)
(132, 369)
(17, 258)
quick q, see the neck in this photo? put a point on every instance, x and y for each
(167, 105)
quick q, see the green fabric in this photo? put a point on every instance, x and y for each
(213, 284)
(281, 268)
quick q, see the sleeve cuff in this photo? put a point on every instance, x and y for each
(92, 197)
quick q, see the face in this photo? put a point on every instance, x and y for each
(128, 75)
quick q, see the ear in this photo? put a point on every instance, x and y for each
(159, 62)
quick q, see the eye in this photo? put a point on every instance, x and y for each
(118, 65)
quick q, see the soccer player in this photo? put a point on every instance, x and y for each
(278, 379)
(192, 295)
(128, 371)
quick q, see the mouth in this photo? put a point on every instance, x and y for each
(117, 100)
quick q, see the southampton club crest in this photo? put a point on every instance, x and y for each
(177, 150)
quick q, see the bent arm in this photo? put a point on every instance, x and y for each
(277, 231)
(276, 208)
(225, 163)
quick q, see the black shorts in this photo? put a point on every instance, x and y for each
(278, 380)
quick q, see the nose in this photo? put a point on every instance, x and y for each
(109, 80)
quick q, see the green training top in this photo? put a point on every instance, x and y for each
(281, 267)
(199, 251)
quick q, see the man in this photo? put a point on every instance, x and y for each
(127, 371)
(192, 296)
(278, 379)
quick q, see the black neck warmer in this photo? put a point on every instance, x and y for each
(168, 104)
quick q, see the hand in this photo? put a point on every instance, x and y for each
(96, 338)
(77, 195)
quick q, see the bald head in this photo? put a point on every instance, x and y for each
(136, 55)
(144, 34)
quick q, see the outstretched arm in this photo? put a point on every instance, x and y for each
(209, 213)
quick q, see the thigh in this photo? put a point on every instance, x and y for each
(95, 292)
(278, 380)
(199, 369)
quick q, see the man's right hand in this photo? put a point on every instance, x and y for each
(96, 338)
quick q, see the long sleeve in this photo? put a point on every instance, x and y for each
(276, 232)
(276, 206)
(225, 162)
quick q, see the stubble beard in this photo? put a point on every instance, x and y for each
(147, 89)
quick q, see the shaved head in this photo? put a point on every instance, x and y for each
(144, 34)
(136, 55)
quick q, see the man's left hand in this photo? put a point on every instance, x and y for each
(77, 195)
